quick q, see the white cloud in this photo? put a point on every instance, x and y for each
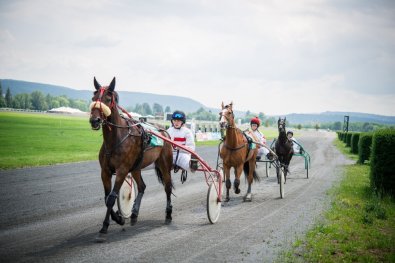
(301, 53)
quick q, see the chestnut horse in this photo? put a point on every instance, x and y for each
(283, 146)
(236, 153)
(125, 149)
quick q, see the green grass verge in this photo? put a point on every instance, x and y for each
(345, 150)
(359, 226)
(38, 139)
(33, 139)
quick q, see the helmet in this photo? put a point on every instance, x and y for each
(290, 132)
(178, 115)
(256, 121)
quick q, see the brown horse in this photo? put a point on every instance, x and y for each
(283, 146)
(236, 153)
(125, 149)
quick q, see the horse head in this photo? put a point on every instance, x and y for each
(103, 101)
(226, 117)
(281, 124)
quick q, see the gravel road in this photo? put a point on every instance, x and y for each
(53, 213)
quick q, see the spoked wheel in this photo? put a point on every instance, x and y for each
(126, 196)
(213, 205)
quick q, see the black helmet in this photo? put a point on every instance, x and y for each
(291, 132)
(178, 115)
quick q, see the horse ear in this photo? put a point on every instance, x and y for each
(112, 85)
(231, 105)
(222, 105)
(96, 84)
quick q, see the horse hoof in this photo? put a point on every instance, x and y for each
(237, 191)
(168, 221)
(133, 219)
(122, 221)
(101, 238)
(227, 199)
(248, 198)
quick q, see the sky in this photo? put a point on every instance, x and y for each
(275, 57)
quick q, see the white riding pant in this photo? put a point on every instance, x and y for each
(183, 159)
(262, 151)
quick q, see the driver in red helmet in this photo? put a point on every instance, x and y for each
(182, 135)
(255, 123)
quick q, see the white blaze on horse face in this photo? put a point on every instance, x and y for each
(223, 118)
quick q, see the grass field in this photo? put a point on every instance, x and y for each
(359, 226)
(29, 139)
(33, 139)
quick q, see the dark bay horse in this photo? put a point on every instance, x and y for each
(236, 153)
(283, 147)
(125, 149)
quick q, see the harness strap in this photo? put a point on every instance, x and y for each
(236, 148)
(139, 161)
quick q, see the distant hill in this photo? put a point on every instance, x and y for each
(333, 116)
(126, 98)
(186, 104)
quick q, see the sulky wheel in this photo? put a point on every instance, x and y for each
(282, 181)
(126, 197)
(213, 205)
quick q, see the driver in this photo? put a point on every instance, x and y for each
(296, 146)
(255, 123)
(182, 135)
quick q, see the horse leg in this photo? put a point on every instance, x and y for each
(112, 197)
(106, 179)
(236, 183)
(250, 179)
(227, 182)
(168, 188)
(140, 189)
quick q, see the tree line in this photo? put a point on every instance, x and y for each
(38, 101)
(352, 126)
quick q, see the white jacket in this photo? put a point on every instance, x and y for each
(183, 136)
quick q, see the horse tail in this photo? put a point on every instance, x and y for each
(246, 168)
(160, 177)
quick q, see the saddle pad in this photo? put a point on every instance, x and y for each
(250, 140)
(154, 141)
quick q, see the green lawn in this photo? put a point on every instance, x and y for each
(359, 226)
(34, 139)
(29, 139)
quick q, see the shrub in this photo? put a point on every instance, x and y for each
(354, 142)
(348, 139)
(364, 146)
(344, 137)
(382, 164)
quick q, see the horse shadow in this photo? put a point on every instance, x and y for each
(87, 237)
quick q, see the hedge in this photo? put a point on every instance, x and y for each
(348, 139)
(382, 162)
(354, 142)
(364, 146)
(344, 138)
(339, 135)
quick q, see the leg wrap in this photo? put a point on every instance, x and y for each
(228, 184)
(110, 201)
(236, 183)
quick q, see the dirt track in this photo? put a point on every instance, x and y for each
(54, 213)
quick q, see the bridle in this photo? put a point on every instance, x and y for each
(105, 111)
(222, 115)
(281, 125)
